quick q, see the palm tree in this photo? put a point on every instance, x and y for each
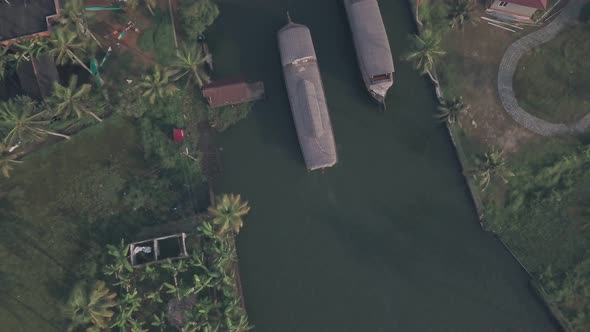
(64, 44)
(160, 321)
(449, 109)
(30, 49)
(6, 161)
(129, 304)
(461, 12)
(93, 306)
(228, 213)
(156, 85)
(121, 267)
(426, 52)
(491, 164)
(73, 14)
(192, 61)
(24, 120)
(72, 99)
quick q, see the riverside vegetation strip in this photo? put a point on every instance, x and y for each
(540, 213)
(65, 202)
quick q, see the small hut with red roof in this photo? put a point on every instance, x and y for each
(520, 10)
(232, 92)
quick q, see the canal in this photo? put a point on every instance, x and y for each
(387, 240)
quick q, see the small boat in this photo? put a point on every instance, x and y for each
(372, 46)
(306, 96)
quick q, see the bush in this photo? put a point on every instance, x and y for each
(196, 16)
(224, 117)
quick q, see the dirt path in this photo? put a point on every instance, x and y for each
(567, 17)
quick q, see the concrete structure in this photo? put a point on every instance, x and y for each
(520, 10)
(372, 46)
(26, 19)
(306, 96)
(224, 93)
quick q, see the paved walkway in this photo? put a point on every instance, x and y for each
(568, 16)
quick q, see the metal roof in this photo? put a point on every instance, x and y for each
(306, 96)
(539, 4)
(232, 92)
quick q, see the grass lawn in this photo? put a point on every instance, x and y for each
(552, 82)
(50, 208)
(159, 39)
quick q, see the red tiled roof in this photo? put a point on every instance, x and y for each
(226, 94)
(539, 4)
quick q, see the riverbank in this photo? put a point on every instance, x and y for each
(382, 235)
(552, 266)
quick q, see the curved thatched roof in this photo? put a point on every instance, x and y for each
(370, 37)
(306, 96)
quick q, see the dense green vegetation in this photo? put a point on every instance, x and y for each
(557, 68)
(197, 293)
(223, 117)
(542, 215)
(536, 200)
(121, 173)
(196, 16)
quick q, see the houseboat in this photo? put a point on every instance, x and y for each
(372, 46)
(306, 96)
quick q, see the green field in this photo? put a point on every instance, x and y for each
(62, 205)
(552, 82)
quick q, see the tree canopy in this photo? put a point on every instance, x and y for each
(197, 16)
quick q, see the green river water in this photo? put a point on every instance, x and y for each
(388, 239)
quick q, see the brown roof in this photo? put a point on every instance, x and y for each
(230, 93)
(539, 4)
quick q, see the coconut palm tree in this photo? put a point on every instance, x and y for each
(29, 49)
(461, 12)
(426, 52)
(24, 121)
(73, 15)
(6, 161)
(228, 213)
(64, 44)
(90, 306)
(191, 61)
(450, 109)
(157, 85)
(491, 164)
(71, 99)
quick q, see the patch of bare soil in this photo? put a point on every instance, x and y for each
(476, 53)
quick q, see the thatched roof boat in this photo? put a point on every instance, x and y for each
(306, 96)
(372, 46)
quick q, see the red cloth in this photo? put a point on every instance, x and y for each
(178, 135)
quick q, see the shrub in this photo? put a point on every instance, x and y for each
(224, 117)
(196, 16)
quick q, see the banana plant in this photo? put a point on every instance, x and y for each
(160, 321)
